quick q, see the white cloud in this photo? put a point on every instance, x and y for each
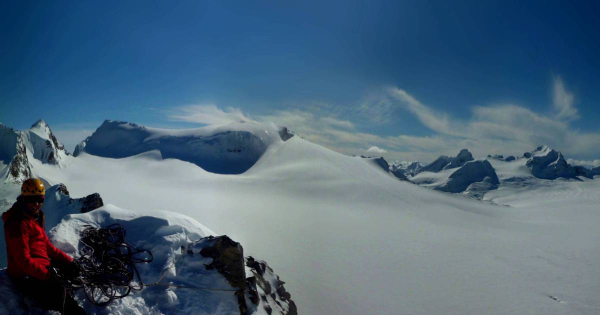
(207, 114)
(563, 101)
(375, 149)
(434, 121)
(594, 163)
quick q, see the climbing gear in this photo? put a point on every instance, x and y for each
(106, 266)
(33, 187)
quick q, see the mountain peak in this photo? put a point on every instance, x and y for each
(39, 124)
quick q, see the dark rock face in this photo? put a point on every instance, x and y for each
(470, 173)
(399, 173)
(228, 259)
(19, 167)
(403, 170)
(437, 165)
(80, 148)
(509, 158)
(463, 157)
(266, 286)
(446, 162)
(546, 163)
(285, 134)
(87, 203)
(263, 288)
(585, 172)
(227, 152)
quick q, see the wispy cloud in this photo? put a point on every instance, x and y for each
(507, 129)
(207, 114)
(433, 120)
(563, 101)
(594, 163)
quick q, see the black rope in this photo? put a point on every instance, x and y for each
(106, 267)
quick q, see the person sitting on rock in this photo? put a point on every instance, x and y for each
(31, 254)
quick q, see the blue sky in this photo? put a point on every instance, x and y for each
(406, 79)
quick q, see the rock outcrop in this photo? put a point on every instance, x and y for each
(547, 163)
(254, 280)
(405, 168)
(469, 175)
(446, 162)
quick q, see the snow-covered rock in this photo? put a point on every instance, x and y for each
(477, 175)
(446, 162)
(17, 148)
(266, 289)
(406, 168)
(230, 149)
(547, 163)
(43, 144)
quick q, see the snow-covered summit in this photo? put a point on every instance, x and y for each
(44, 145)
(18, 148)
(227, 149)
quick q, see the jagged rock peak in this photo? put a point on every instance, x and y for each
(446, 162)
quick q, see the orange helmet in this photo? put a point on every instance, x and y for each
(33, 187)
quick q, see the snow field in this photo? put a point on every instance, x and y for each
(350, 239)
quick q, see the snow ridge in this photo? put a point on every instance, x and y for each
(230, 149)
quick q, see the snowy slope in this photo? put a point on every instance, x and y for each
(348, 238)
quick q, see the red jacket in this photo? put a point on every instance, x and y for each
(28, 248)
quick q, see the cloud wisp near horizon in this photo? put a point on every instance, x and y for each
(507, 129)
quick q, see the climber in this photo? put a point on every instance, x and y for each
(31, 255)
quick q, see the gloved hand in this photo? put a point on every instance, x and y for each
(72, 270)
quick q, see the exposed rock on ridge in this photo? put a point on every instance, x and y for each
(446, 162)
(471, 173)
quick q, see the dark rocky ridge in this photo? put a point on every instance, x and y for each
(446, 162)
